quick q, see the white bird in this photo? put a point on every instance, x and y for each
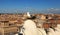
(57, 30)
(28, 14)
(30, 28)
(42, 31)
(51, 32)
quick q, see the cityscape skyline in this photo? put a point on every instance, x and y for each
(40, 6)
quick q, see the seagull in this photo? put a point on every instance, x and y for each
(30, 28)
(51, 32)
(28, 14)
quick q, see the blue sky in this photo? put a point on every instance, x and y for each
(29, 4)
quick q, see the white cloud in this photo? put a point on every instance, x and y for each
(53, 9)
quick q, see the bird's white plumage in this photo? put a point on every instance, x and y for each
(30, 28)
(57, 30)
(28, 14)
(42, 31)
(51, 32)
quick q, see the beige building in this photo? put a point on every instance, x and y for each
(43, 17)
